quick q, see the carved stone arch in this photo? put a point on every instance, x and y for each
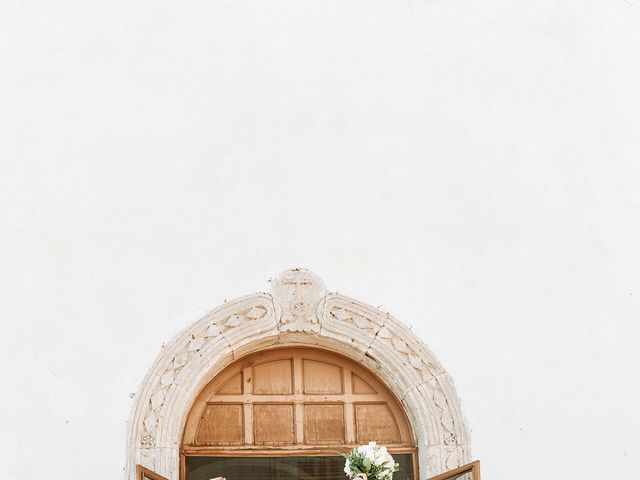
(298, 311)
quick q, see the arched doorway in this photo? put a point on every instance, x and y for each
(287, 414)
(297, 312)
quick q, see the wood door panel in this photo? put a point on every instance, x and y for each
(221, 424)
(321, 378)
(273, 424)
(323, 424)
(359, 386)
(375, 422)
(294, 397)
(233, 386)
(273, 378)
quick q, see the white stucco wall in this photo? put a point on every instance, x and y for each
(470, 166)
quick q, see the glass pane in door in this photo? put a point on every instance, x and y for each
(280, 468)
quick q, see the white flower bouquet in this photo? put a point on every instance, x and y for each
(370, 462)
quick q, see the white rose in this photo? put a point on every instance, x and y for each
(382, 456)
(368, 451)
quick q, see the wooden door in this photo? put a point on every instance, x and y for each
(287, 414)
(295, 400)
(143, 473)
(471, 471)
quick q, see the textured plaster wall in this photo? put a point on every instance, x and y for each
(470, 166)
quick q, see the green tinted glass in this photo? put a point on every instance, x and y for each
(280, 468)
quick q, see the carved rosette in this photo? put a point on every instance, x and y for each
(298, 294)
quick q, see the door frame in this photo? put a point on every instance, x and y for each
(473, 467)
(142, 473)
(288, 452)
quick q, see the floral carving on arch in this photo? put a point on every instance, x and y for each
(297, 311)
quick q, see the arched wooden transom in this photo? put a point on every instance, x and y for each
(294, 399)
